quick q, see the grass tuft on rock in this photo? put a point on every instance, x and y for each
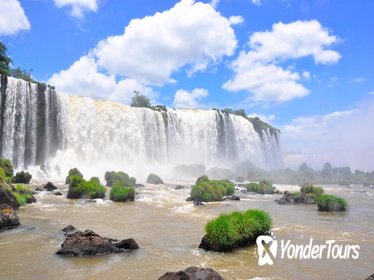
(263, 187)
(329, 202)
(119, 192)
(211, 190)
(79, 188)
(229, 231)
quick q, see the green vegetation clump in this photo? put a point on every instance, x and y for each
(263, 187)
(73, 172)
(139, 100)
(7, 167)
(78, 187)
(235, 229)
(329, 202)
(119, 192)
(211, 190)
(113, 177)
(23, 194)
(22, 177)
(316, 191)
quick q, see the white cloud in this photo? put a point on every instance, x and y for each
(358, 80)
(257, 2)
(342, 138)
(185, 99)
(268, 119)
(234, 20)
(83, 78)
(152, 48)
(306, 75)
(12, 18)
(78, 7)
(259, 72)
(214, 3)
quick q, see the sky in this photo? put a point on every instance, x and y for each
(305, 67)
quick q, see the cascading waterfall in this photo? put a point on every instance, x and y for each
(39, 126)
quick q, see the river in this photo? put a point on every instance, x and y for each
(169, 229)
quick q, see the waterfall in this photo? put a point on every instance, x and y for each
(39, 126)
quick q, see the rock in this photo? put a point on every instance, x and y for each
(371, 277)
(38, 189)
(206, 245)
(231, 197)
(31, 199)
(50, 187)
(6, 196)
(180, 187)
(139, 186)
(8, 218)
(90, 243)
(154, 179)
(68, 229)
(22, 178)
(197, 203)
(128, 244)
(192, 273)
(57, 193)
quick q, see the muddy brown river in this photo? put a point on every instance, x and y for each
(169, 229)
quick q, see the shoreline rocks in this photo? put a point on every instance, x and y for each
(8, 218)
(89, 243)
(6, 197)
(192, 273)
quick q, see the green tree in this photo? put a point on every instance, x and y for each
(5, 60)
(21, 74)
(140, 100)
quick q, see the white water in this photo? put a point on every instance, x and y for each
(95, 136)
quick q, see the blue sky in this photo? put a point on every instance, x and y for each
(304, 66)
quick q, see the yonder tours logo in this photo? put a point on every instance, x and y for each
(267, 250)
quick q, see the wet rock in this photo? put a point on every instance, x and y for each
(371, 277)
(68, 229)
(90, 243)
(57, 193)
(50, 187)
(192, 273)
(231, 197)
(8, 218)
(38, 189)
(302, 198)
(31, 199)
(180, 187)
(154, 179)
(139, 186)
(6, 196)
(198, 203)
(22, 178)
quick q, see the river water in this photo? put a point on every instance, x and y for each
(169, 229)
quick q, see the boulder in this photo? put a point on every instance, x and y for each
(154, 179)
(68, 229)
(371, 277)
(38, 189)
(139, 186)
(8, 218)
(192, 273)
(22, 178)
(90, 243)
(6, 197)
(57, 193)
(197, 203)
(50, 187)
(231, 197)
(180, 187)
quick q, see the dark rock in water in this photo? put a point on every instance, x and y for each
(90, 243)
(8, 218)
(31, 199)
(139, 186)
(198, 203)
(38, 189)
(206, 245)
(68, 229)
(50, 187)
(180, 187)
(231, 197)
(6, 196)
(57, 193)
(371, 277)
(192, 273)
(302, 198)
(128, 244)
(189, 199)
(154, 179)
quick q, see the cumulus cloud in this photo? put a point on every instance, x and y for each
(152, 48)
(259, 71)
(84, 78)
(78, 7)
(234, 20)
(341, 137)
(12, 18)
(185, 99)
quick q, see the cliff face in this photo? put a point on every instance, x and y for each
(38, 124)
